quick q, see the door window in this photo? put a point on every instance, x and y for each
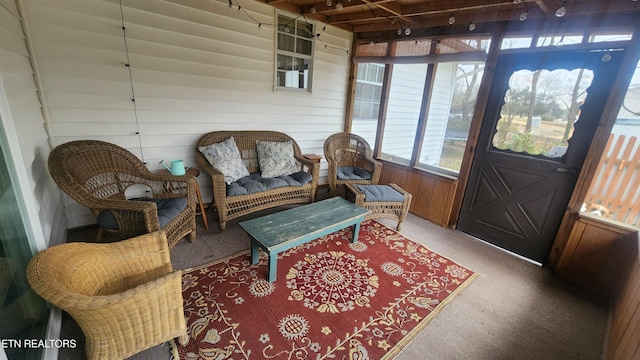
(540, 110)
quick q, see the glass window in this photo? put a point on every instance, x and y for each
(294, 54)
(23, 314)
(451, 108)
(621, 36)
(403, 111)
(539, 111)
(516, 42)
(366, 104)
(451, 100)
(557, 40)
(615, 191)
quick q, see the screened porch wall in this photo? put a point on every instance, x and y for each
(195, 67)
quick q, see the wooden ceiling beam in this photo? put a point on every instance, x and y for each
(323, 8)
(534, 24)
(434, 7)
(386, 15)
(282, 5)
(547, 6)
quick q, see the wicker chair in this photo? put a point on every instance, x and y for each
(125, 296)
(97, 174)
(347, 150)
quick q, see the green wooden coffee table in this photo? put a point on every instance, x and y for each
(289, 228)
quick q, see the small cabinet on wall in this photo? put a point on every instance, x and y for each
(598, 254)
(624, 332)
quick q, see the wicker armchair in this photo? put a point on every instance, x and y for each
(347, 150)
(125, 296)
(97, 174)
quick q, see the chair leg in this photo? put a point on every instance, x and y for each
(192, 236)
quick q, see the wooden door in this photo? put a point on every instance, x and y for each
(525, 170)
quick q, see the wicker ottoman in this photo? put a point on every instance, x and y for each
(384, 201)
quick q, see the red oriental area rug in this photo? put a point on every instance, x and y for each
(332, 299)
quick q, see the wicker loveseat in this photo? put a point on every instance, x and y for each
(237, 196)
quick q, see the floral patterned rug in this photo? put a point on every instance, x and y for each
(332, 299)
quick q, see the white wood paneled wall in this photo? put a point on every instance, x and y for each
(28, 122)
(196, 66)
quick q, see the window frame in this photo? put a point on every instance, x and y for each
(297, 56)
(431, 59)
(383, 52)
(371, 82)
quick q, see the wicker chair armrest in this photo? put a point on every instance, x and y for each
(371, 164)
(307, 164)
(214, 173)
(148, 253)
(70, 274)
(376, 170)
(170, 186)
(129, 214)
(163, 288)
(219, 184)
(121, 205)
(205, 166)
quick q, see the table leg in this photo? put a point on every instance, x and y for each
(356, 231)
(273, 261)
(201, 206)
(255, 252)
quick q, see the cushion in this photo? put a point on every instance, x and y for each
(168, 209)
(225, 157)
(352, 173)
(383, 193)
(276, 158)
(255, 183)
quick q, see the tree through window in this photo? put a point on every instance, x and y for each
(540, 110)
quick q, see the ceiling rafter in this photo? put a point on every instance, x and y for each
(385, 15)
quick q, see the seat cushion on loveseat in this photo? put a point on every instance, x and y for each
(255, 183)
(168, 209)
(352, 173)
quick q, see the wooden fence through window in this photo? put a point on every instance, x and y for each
(615, 193)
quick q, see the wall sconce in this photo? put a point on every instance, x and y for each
(524, 15)
(562, 11)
